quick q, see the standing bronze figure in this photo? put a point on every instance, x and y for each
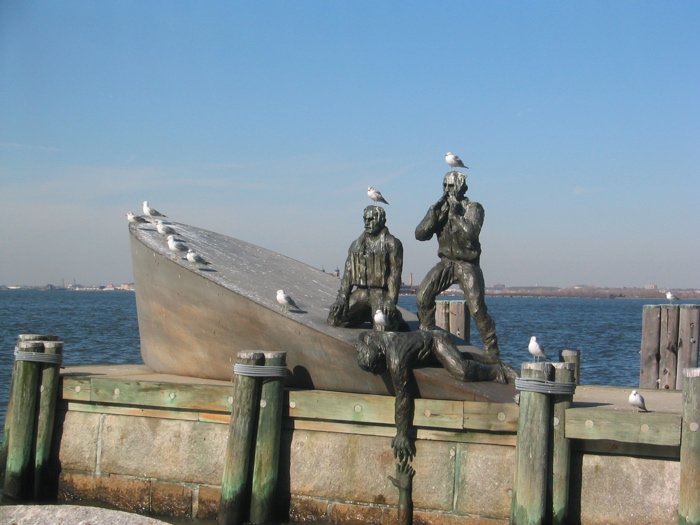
(456, 221)
(372, 277)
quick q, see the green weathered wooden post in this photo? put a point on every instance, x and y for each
(688, 340)
(10, 402)
(561, 447)
(267, 444)
(650, 352)
(25, 388)
(529, 505)
(668, 346)
(572, 356)
(48, 392)
(689, 502)
(246, 398)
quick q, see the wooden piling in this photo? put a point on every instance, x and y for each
(561, 446)
(529, 506)
(267, 443)
(689, 323)
(234, 485)
(48, 393)
(572, 356)
(668, 346)
(689, 503)
(651, 332)
(25, 387)
(10, 402)
(453, 317)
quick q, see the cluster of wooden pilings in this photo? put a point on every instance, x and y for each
(29, 419)
(254, 436)
(542, 455)
(453, 317)
(669, 344)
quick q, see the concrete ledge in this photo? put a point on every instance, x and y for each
(70, 515)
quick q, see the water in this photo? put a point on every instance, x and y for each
(102, 328)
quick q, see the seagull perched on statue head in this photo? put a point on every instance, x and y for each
(536, 349)
(637, 401)
(375, 195)
(151, 212)
(454, 161)
(285, 300)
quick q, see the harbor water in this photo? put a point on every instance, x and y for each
(101, 327)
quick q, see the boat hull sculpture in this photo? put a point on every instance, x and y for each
(194, 319)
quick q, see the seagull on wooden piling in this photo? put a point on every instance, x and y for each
(637, 401)
(285, 300)
(536, 349)
(671, 297)
(454, 161)
(136, 219)
(381, 320)
(195, 258)
(176, 246)
(163, 228)
(151, 212)
(375, 195)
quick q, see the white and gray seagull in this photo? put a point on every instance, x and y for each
(176, 246)
(380, 319)
(151, 212)
(195, 258)
(671, 297)
(637, 401)
(454, 161)
(136, 219)
(536, 349)
(285, 300)
(375, 195)
(164, 229)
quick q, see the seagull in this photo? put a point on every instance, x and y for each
(164, 229)
(176, 246)
(454, 161)
(536, 349)
(671, 297)
(637, 401)
(136, 219)
(285, 300)
(195, 258)
(151, 212)
(375, 195)
(381, 320)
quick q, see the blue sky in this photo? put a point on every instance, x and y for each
(266, 121)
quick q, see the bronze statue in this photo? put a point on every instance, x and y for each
(456, 221)
(372, 277)
(400, 352)
(404, 482)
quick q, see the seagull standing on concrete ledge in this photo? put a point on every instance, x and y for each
(285, 300)
(454, 161)
(195, 258)
(536, 349)
(151, 212)
(136, 219)
(176, 246)
(637, 401)
(375, 195)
